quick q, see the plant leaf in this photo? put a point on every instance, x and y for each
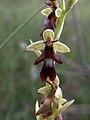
(57, 80)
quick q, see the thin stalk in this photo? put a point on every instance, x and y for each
(63, 4)
(20, 27)
(60, 23)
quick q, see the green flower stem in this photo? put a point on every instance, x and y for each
(63, 4)
(61, 19)
(60, 23)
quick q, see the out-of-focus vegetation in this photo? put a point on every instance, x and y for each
(19, 78)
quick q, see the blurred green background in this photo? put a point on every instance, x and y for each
(19, 78)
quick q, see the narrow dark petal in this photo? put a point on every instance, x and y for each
(57, 59)
(40, 59)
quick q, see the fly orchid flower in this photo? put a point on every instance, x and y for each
(46, 104)
(53, 104)
(48, 46)
(51, 14)
(54, 6)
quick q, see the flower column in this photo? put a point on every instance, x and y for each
(53, 104)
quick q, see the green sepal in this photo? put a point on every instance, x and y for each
(46, 11)
(37, 52)
(39, 117)
(36, 46)
(58, 12)
(60, 47)
(48, 33)
(44, 90)
(63, 101)
(57, 81)
(58, 93)
(36, 106)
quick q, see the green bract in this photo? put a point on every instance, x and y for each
(70, 4)
(58, 46)
(62, 108)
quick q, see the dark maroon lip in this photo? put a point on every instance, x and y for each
(48, 70)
